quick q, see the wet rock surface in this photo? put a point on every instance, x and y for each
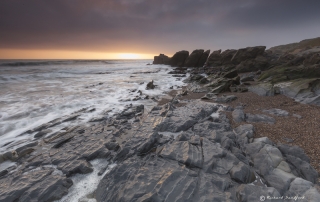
(183, 154)
(42, 169)
(188, 153)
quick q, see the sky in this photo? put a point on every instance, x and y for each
(120, 29)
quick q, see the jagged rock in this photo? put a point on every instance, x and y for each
(182, 119)
(312, 59)
(231, 74)
(150, 85)
(203, 58)
(252, 65)
(214, 59)
(196, 77)
(303, 90)
(247, 77)
(280, 180)
(277, 112)
(220, 89)
(246, 129)
(220, 85)
(242, 173)
(209, 96)
(204, 81)
(194, 57)
(130, 112)
(183, 152)
(238, 115)
(148, 144)
(239, 89)
(263, 139)
(215, 159)
(262, 89)
(227, 55)
(267, 159)
(303, 189)
(178, 71)
(293, 151)
(177, 75)
(161, 59)
(289, 58)
(259, 118)
(10, 155)
(298, 60)
(258, 72)
(150, 181)
(212, 130)
(42, 133)
(225, 98)
(251, 193)
(247, 53)
(36, 185)
(179, 58)
(182, 93)
(302, 168)
(236, 80)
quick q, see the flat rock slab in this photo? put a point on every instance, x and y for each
(225, 99)
(255, 118)
(238, 115)
(262, 89)
(183, 118)
(277, 112)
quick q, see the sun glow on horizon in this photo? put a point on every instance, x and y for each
(129, 56)
(63, 54)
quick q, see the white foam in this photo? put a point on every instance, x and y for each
(37, 95)
(84, 185)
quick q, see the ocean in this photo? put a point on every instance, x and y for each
(35, 92)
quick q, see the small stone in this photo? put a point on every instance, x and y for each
(297, 116)
(238, 115)
(150, 85)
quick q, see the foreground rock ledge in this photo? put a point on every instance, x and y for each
(185, 154)
(188, 153)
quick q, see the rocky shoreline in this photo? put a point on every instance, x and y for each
(203, 143)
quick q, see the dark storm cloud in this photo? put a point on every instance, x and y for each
(154, 25)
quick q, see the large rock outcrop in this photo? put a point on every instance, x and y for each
(247, 53)
(227, 55)
(203, 58)
(179, 58)
(312, 59)
(194, 57)
(214, 59)
(161, 59)
(253, 65)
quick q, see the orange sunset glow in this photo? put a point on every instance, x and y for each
(63, 54)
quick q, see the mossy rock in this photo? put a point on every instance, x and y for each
(285, 73)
